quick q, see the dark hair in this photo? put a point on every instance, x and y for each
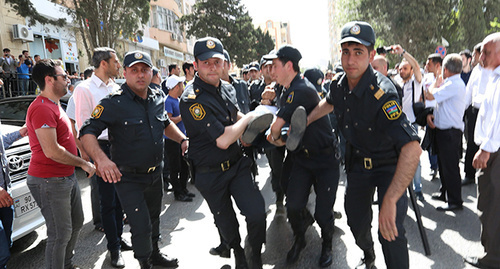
(477, 47)
(101, 54)
(36, 55)
(6, 50)
(435, 58)
(171, 67)
(295, 65)
(453, 62)
(24, 51)
(467, 53)
(88, 72)
(186, 66)
(45, 67)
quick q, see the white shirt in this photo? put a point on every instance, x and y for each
(87, 95)
(474, 92)
(407, 98)
(428, 79)
(487, 132)
(450, 104)
(70, 109)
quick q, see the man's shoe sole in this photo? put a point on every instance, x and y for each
(256, 126)
(298, 126)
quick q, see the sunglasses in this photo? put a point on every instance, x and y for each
(60, 75)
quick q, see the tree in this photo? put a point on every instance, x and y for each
(99, 22)
(228, 21)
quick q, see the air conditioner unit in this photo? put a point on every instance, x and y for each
(22, 32)
(162, 63)
(174, 36)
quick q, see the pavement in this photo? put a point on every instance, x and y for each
(188, 232)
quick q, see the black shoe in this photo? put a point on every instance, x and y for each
(433, 174)
(298, 124)
(158, 258)
(449, 207)
(182, 198)
(337, 215)
(468, 181)
(439, 196)
(298, 246)
(117, 259)
(257, 125)
(189, 194)
(420, 196)
(240, 259)
(326, 257)
(145, 264)
(125, 245)
(477, 262)
(368, 262)
(222, 250)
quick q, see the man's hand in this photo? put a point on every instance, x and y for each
(109, 171)
(278, 142)
(89, 168)
(387, 221)
(268, 95)
(430, 121)
(481, 159)
(184, 146)
(429, 96)
(397, 49)
(5, 199)
(23, 131)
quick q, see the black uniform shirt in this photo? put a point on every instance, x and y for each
(318, 135)
(242, 94)
(370, 116)
(135, 126)
(256, 89)
(206, 111)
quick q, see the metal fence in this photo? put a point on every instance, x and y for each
(15, 86)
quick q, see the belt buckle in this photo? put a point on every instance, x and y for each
(368, 163)
(225, 165)
(151, 169)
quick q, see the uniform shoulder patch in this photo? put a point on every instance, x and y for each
(197, 111)
(379, 94)
(191, 96)
(392, 110)
(117, 92)
(97, 112)
(289, 99)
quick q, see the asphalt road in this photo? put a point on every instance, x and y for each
(188, 233)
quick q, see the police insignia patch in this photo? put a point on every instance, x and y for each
(97, 112)
(210, 44)
(289, 99)
(355, 29)
(197, 111)
(392, 110)
(138, 55)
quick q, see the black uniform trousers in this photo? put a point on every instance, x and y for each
(218, 187)
(488, 201)
(322, 172)
(178, 167)
(449, 151)
(110, 207)
(141, 196)
(361, 184)
(275, 157)
(472, 148)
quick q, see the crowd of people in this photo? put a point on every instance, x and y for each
(208, 126)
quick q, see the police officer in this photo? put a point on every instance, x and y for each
(314, 162)
(136, 121)
(315, 76)
(382, 147)
(214, 125)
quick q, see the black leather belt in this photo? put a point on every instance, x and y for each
(219, 167)
(310, 153)
(370, 163)
(135, 170)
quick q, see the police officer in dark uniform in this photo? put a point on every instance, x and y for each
(136, 120)
(382, 147)
(314, 162)
(214, 125)
(315, 76)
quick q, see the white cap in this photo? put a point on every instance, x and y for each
(174, 80)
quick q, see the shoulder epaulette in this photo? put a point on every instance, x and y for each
(117, 92)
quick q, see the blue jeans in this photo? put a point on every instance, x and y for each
(60, 201)
(23, 86)
(6, 220)
(417, 178)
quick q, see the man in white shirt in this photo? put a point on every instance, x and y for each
(487, 136)
(449, 102)
(474, 96)
(87, 95)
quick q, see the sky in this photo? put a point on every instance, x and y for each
(308, 25)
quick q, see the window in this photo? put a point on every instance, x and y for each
(165, 19)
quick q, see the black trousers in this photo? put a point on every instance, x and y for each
(178, 167)
(472, 148)
(322, 172)
(275, 157)
(140, 196)
(218, 187)
(361, 184)
(449, 151)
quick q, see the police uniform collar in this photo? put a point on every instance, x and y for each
(205, 86)
(126, 89)
(365, 82)
(293, 82)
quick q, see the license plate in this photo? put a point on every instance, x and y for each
(24, 204)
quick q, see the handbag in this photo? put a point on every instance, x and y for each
(418, 107)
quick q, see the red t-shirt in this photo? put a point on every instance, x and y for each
(44, 113)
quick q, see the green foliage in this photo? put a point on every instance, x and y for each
(228, 21)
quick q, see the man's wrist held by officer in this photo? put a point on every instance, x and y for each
(184, 139)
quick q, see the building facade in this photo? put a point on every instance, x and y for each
(279, 32)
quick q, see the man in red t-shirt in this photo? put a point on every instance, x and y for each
(51, 174)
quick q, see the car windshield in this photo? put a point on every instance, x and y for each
(14, 110)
